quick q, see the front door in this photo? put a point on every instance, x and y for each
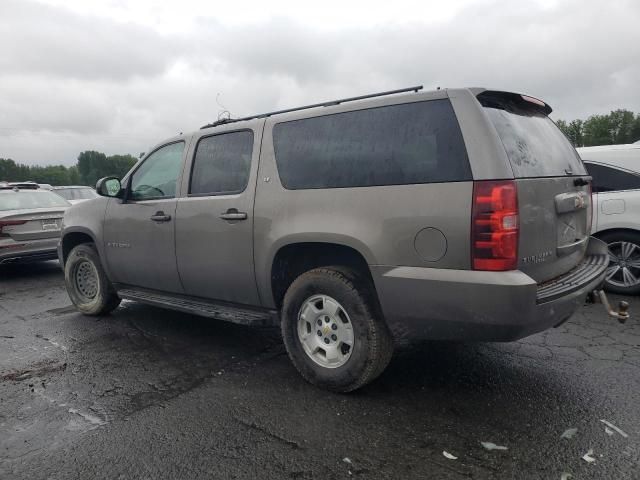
(139, 231)
(214, 221)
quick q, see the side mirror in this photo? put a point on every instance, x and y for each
(109, 187)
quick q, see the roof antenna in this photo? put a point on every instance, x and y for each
(224, 115)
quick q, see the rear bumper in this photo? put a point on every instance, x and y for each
(30, 251)
(441, 304)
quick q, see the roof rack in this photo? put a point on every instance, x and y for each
(323, 104)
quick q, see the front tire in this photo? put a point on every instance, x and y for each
(333, 329)
(87, 284)
(623, 273)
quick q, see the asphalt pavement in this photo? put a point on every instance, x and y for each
(149, 393)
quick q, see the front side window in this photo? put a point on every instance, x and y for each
(222, 163)
(157, 176)
(394, 145)
(608, 179)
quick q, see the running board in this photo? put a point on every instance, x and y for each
(220, 311)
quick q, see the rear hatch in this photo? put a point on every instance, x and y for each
(554, 198)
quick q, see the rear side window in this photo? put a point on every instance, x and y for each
(399, 144)
(607, 179)
(222, 163)
(534, 144)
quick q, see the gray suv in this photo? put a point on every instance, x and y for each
(460, 214)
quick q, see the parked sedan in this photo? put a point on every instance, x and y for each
(75, 194)
(30, 222)
(616, 214)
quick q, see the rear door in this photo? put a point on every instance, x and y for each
(552, 185)
(214, 226)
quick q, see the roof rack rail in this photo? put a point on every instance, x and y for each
(323, 104)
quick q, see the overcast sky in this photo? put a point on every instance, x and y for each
(118, 76)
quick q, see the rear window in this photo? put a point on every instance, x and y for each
(399, 144)
(76, 193)
(10, 200)
(534, 144)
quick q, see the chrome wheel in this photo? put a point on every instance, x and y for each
(86, 280)
(325, 331)
(624, 264)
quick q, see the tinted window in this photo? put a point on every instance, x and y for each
(222, 163)
(157, 176)
(399, 144)
(607, 179)
(534, 144)
(11, 200)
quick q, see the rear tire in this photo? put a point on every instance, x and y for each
(325, 310)
(624, 265)
(87, 284)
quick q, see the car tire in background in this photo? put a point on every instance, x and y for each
(89, 289)
(333, 329)
(623, 273)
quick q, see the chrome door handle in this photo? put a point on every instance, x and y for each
(160, 217)
(233, 214)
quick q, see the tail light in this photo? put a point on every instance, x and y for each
(494, 225)
(8, 223)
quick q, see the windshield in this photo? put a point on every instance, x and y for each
(27, 199)
(76, 193)
(534, 144)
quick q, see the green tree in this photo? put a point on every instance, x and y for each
(576, 128)
(91, 166)
(622, 123)
(598, 130)
(94, 165)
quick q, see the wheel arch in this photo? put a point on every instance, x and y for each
(607, 231)
(71, 239)
(293, 259)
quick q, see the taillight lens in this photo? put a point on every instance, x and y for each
(495, 225)
(7, 223)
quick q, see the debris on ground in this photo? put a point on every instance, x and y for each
(493, 446)
(565, 476)
(449, 456)
(569, 433)
(613, 427)
(588, 457)
(347, 460)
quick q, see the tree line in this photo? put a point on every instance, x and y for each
(619, 126)
(91, 166)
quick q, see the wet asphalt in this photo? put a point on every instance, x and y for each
(147, 393)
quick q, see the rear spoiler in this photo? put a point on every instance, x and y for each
(512, 101)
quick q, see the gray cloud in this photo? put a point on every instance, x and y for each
(75, 82)
(39, 39)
